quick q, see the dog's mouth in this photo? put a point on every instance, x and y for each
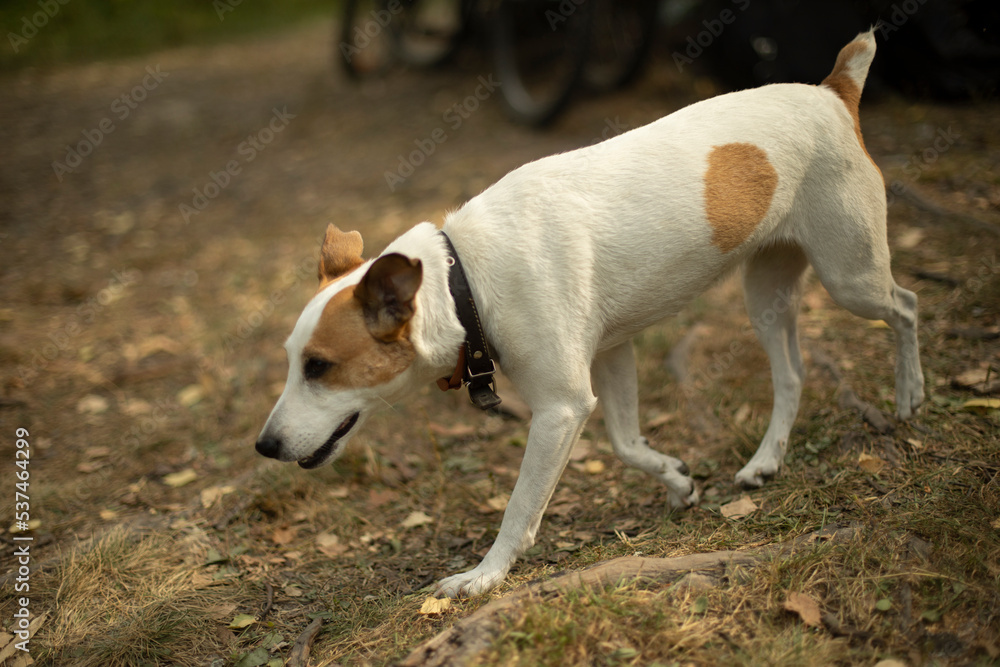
(320, 456)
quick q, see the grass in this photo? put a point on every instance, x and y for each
(54, 32)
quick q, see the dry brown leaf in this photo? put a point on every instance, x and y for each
(212, 494)
(108, 515)
(978, 404)
(92, 404)
(191, 394)
(739, 508)
(339, 492)
(97, 452)
(453, 431)
(498, 503)
(871, 464)
(180, 478)
(593, 467)
(742, 414)
(805, 607)
(329, 545)
(434, 605)
(284, 535)
(87, 467)
(415, 519)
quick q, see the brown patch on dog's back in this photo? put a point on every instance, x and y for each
(739, 185)
(342, 338)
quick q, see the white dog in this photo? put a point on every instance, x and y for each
(570, 256)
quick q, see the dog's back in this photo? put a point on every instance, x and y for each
(630, 230)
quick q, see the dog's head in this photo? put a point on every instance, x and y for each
(348, 352)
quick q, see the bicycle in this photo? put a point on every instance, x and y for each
(541, 49)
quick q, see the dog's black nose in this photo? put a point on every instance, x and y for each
(269, 447)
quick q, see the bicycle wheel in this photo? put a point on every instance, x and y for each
(620, 39)
(377, 34)
(539, 49)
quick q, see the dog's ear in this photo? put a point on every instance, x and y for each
(386, 295)
(341, 253)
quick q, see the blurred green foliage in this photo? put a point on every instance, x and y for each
(46, 32)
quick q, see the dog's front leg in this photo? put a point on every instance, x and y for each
(554, 430)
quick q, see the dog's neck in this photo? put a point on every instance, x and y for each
(436, 333)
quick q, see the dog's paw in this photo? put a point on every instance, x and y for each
(685, 499)
(469, 583)
(908, 400)
(754, 474)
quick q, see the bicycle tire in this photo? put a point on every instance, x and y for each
(621, 37)
(538, 102)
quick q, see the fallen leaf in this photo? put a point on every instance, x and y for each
(871, 464)
(221, 612)
(885, 604)
(981, 404)
(180, 478)
(742, 414)
(700, 605)
(659, 420)
(453, 431)
(136, 407)
(878, 324)
(329, 545)
(806, 607)
(241, 621)
(498, 503)
(87, 467)
(889, 662)
(433, 605)
(738, 508)
(92, 405)
(339, 492)
(593, 467)
(190, 395)
(108, 515)
(293, 591)
(212, 494)
(972, 377)
(415, 519)
(915, 443)
(379, 497)
(909, 238)
(97, 452)
(33, 524)
(284, 535)
(995, 524)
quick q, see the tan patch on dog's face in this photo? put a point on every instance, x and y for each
(358, 360)
(739, 185)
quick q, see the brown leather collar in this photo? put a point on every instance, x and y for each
(475, 363)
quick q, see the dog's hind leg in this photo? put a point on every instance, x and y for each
(858, 276)
(772, 284)
(616, 384)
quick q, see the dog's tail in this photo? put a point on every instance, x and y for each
(851, 69)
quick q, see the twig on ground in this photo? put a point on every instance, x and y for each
(473, 635)
(299, 655)
(270, 601)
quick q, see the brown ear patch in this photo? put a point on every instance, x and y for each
(341, 254)
(739, 185)
(342, 338)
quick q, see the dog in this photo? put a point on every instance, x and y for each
(568, 257)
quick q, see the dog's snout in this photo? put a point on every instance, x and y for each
(269, 446)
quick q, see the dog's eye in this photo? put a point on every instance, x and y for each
(315, 368)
